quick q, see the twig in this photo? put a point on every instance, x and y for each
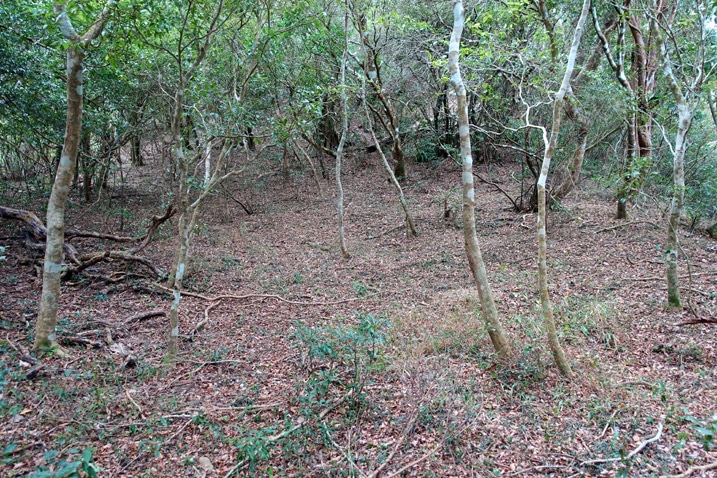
(281, 435)
(404, 435)
(385, 233)
(181, 429)
(634, 452)
(417, 461)
(204, 321)
(264, 296)
(639, 279)
(698, 320)
(515, 205)
(346, 456)
(693, 469)
(126, 392)
(625, 224)
(539, 468)
(144, 316)
(609, 420)
(184, 375)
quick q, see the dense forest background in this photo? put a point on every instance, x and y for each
(358, 238)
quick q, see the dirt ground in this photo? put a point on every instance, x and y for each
(374, 366)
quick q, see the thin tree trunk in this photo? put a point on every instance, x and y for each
(550, 144)
(314, 173)
(372, 73)
(410, 227)
(45, 335)
(393, 176)
(686, 108)
(186, 225)
(570, 174)
(475, 259)
(344, 130)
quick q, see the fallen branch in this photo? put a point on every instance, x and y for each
(126, 392)
(708, 320)
(39, 231)
(692, 469)
(625, 224)
(399, 442)
(156, 222)
(263, 296)
(144, 316)
(181, 429)
(345, 455)
(74, 340)
(204, 321)
(632, 454)
(641, 279)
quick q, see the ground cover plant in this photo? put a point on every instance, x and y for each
(358, 238)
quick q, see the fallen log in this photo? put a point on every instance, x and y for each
(36, 240)
(39, 231)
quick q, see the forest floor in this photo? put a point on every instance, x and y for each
(378, 365)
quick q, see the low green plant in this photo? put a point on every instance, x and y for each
(705, 431)
(78, 467)
(357, 346)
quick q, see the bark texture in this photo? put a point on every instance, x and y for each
(641, 86)
(687, 100)
(550, 145)
(475, 258)
(45, 337)
(344, 130)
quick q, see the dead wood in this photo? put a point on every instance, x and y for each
(632, 454)
(693, 469)
(94, 258)
(156, 222)
(707, 320)
(75, 340)
(264, 296)
(501, 190)
(144, 316)
(625, 224)
(39, 231)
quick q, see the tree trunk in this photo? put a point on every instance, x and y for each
(641, 87)
(475, 259)
(344, 131)
(136, 150)
(686, 111)
(570, 174)
(550, 144)
(410, 227)
(184, 229)
(45, 337)
(372, 73)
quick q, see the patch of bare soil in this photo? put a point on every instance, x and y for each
(310, 365)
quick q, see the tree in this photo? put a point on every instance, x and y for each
(550, 145)
(385, 112)
(684, 80)
(640, 82)
(191, 198)
(371, 66)
(344, 131)
(45, 337)
(475, 258)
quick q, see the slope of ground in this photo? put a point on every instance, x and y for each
(373, 366)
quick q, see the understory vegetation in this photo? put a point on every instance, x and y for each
(358, 238)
